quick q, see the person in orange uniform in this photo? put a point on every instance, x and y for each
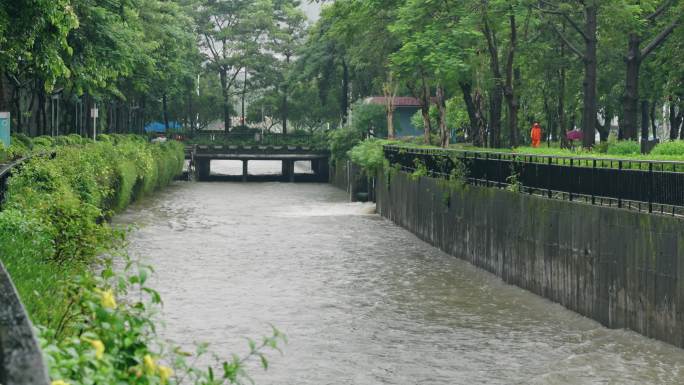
(536, 135)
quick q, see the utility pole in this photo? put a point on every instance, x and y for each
(94, 114)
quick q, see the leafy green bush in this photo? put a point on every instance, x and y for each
(43, 142)
(370, 117)
(51, 230)
(624, 147)
(68, 198)
(117, 344)
(27, 246)
(341, 141)
(369, 155)
(673, 148)
(22, 140)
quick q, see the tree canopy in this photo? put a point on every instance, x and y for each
(603, 67)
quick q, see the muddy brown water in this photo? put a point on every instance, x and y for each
(361, 300)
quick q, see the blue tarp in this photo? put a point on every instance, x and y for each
(159, 127)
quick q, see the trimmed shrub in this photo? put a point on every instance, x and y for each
(68, 199)
(624, 147)
(673, 148)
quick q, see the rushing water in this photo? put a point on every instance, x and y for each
(362, 300)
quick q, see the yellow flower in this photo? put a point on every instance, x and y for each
(59, 382)
(164, 373)
(107, 299)
(99, 348)
(136, 370)
(150, 364)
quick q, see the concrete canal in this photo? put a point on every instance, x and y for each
(362, 300)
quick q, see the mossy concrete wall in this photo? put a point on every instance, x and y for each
(349, 177)
(619, 267)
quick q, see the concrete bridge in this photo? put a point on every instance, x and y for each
(200, 157)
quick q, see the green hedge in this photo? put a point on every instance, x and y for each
(54, 218)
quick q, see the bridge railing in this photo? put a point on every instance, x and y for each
(267, 139)
(653, 186)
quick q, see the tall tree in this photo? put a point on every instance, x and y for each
(232, 32)
(587, 31)
(287, 38)
(645, 23)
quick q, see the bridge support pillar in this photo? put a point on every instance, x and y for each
(203, 168)
(288, 170)
(244, 170)
(321, 169)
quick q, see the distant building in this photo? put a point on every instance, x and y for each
(405, 108)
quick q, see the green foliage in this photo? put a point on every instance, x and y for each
(627, 147)
(117, 341)
(68, 199)
(341, 141)
(369, 155)
(42, 142)
(673, 148)
(370, 117)
(98, 329)
(455, 181)
(514, 183)
(27, 248)
(419, 170)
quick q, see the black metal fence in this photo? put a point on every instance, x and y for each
(653, 186)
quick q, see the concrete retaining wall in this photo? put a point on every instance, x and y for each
(349, 177)
(618, 267)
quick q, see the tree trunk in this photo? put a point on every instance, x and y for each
(3, 99)
(42, 116)
(495, 106)
(644, 120)
(590, 76)
(654, 128)
(509, 90)
(628, 123)
(226, 99)
(675, 119)
(481, 120)
(443, 129)
(87, 120)
(141, 114)
(389, 90)
(496, 92)
(562, 127)
(467, 89)
(165, 112)
(16, 99)
(191, 115)
(551, 123)
(389, 111)
(425, 111)
(344, 100)
(243, 117)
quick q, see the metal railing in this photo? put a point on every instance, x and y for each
(6, 171)
(653, 186)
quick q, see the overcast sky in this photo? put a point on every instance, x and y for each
(312, 9)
